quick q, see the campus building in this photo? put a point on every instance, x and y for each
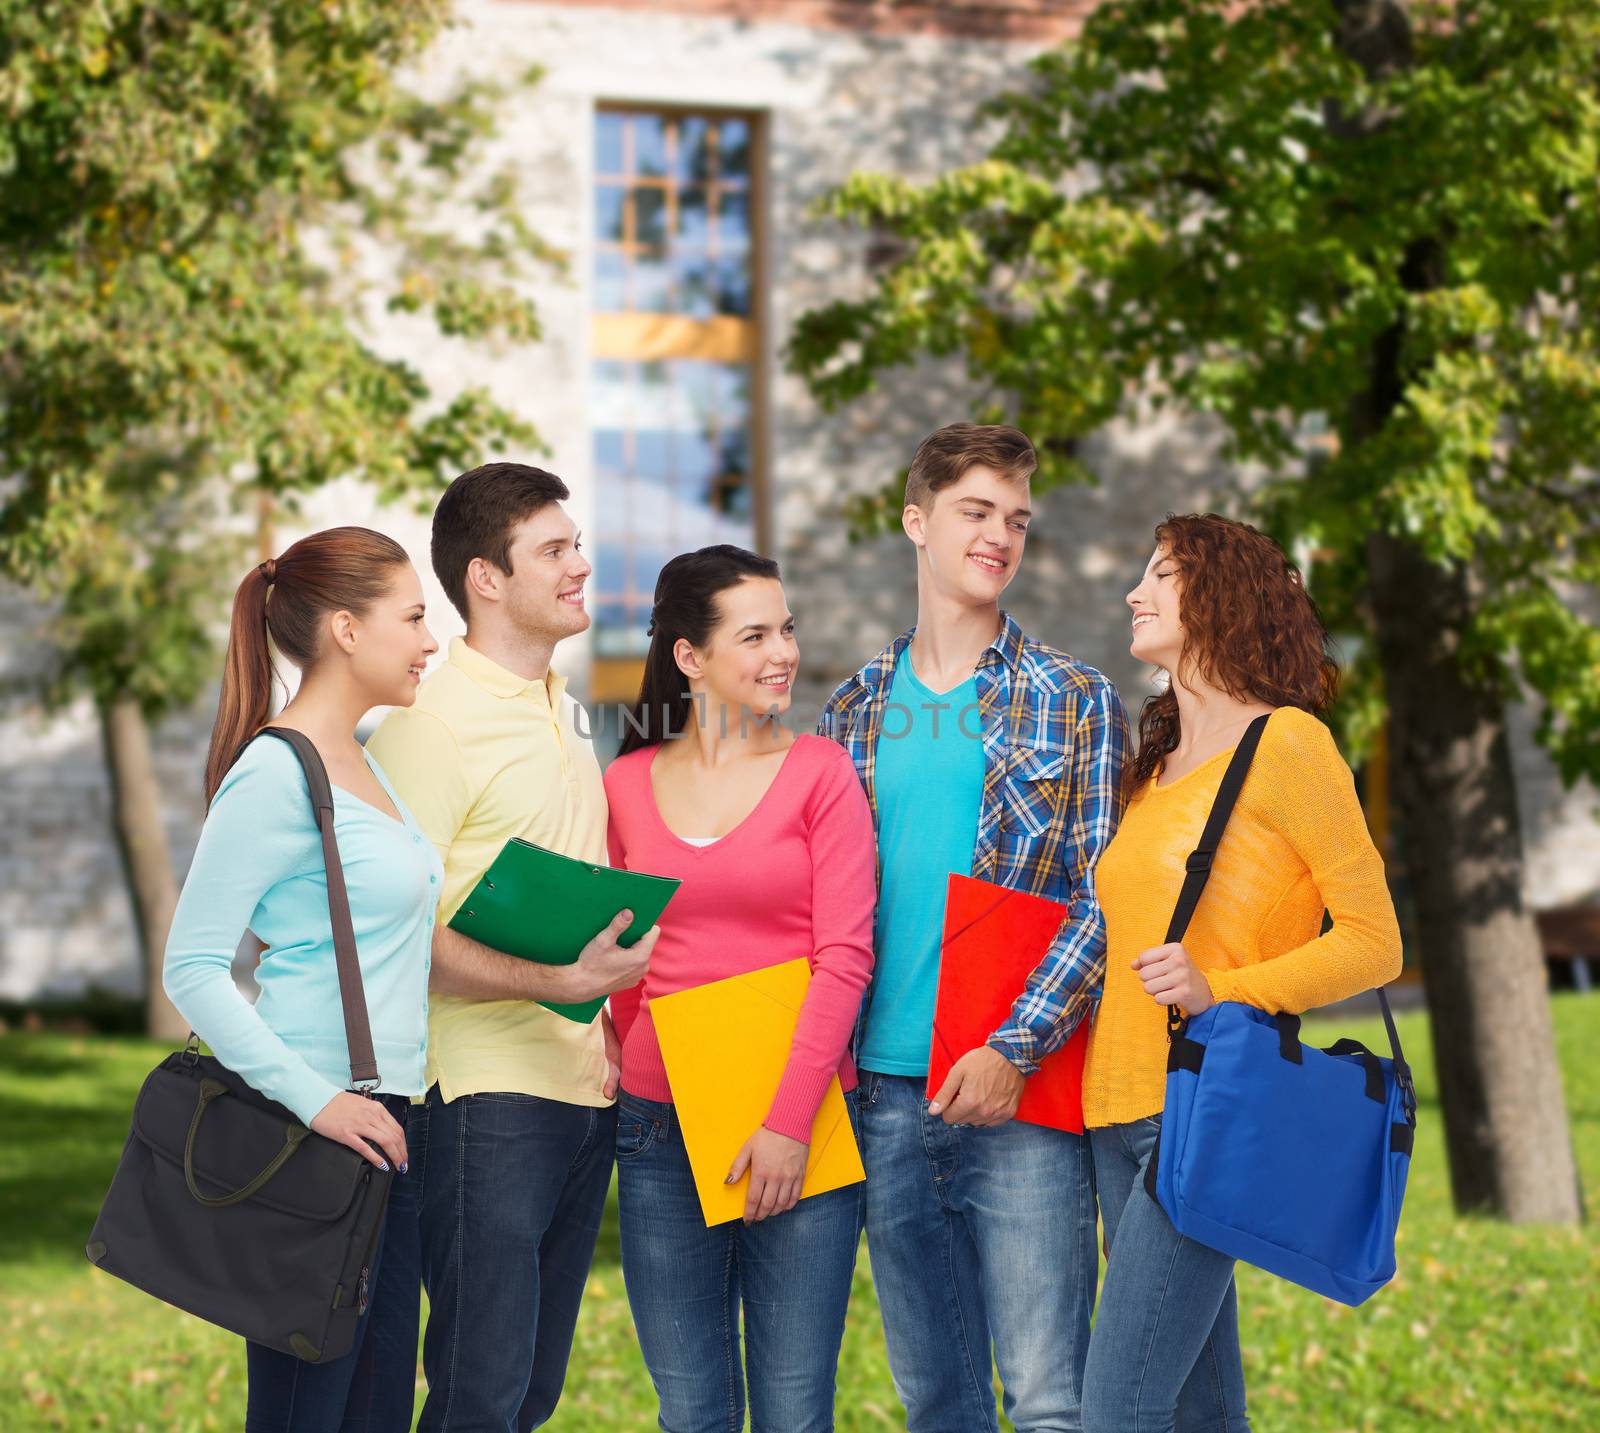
(674, 149)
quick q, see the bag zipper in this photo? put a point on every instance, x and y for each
(364, 1281)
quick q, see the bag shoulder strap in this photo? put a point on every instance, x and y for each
(1197, 869)
(352, 994)
(1402, 1070)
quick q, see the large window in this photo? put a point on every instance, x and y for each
(675, 338)
(672, 214)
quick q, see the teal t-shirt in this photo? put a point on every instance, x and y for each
(929, 789)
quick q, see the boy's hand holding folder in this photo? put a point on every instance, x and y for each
(982, 1089)
(993, 940)
(540, 905)
(605, 964)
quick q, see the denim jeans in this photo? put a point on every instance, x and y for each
(515, 1189)
(1165, 1353)
(978, 1237)
(370, 1389)
(686, 1284)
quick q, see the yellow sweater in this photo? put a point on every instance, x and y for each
(1297, 842)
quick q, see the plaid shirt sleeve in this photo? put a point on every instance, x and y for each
(1067, 981)
(828, 719)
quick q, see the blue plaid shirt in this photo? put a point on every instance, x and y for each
(1054, 740)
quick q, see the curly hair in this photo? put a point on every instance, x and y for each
(1249, 628)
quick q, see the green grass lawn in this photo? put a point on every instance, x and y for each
(1487, 1328)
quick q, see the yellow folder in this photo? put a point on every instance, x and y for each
(725, 1046)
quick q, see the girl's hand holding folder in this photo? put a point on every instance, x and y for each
(777, 1166)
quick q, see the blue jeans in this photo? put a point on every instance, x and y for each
(512, 1203)
(978, 1236)
(1165, 1353)
(686, 1284)
(370, 1389)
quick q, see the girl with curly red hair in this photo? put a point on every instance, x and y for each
(1225, 614)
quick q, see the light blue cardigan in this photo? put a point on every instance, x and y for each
(259, 866)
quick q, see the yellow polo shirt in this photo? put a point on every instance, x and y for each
(482, 756)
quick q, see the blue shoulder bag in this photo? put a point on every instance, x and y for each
(1289, 1157)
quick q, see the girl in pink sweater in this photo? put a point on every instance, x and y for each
(771, 836)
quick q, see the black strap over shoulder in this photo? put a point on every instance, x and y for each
(1402, 1071)
(1198, 866)
(352, 994)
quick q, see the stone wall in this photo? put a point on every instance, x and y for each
(65, 919)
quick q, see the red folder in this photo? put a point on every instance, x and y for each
(993, 940)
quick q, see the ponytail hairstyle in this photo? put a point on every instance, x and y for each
(343, 569)
(686, 609)
(1249, 627)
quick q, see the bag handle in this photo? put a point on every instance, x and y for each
(1197, 869)
(352, 994)
(294, 1135)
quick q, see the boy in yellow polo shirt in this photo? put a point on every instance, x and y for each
(519, 1122)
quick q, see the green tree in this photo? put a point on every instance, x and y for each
(1370, 216)
(198, 203)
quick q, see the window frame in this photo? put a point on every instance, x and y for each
(637, 336)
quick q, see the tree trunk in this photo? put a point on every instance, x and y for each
(1505, 1120)
(146, 861)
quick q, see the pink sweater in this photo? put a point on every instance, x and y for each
(798, 876)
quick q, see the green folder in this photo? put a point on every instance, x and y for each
(540, 905)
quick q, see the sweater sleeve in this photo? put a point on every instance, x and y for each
(624, 1004)
(1309, 797)
(843, 897)
(258, 832)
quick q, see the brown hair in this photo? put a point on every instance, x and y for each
(686, 607)
(1249, 627)
(945, 457)
(344, 569)
(476, 515)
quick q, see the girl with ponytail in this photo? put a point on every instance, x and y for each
(345, 606)
(686, 610)
(772, 839)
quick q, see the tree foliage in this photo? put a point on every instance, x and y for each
(1231, 210)
(198, 204)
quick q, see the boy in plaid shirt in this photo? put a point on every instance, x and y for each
(985, 753)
